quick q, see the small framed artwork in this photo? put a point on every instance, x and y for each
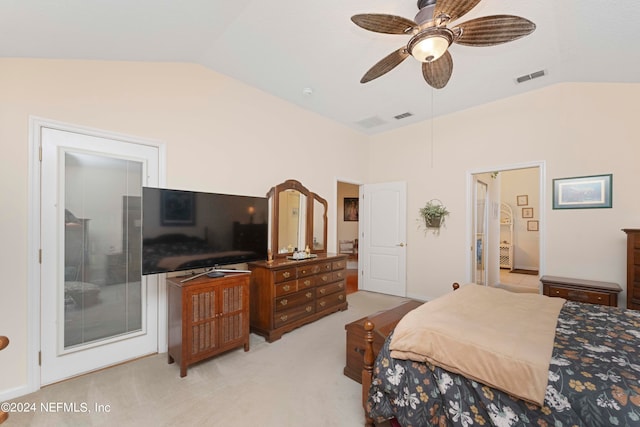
(350, 208)
(585, 192)
(527, 212)
(522, 200)
(532, 225)
(177, 208)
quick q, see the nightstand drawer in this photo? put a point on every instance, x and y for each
(580, 295)
(581, 290)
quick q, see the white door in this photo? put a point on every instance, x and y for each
(96, 308)
(382, 244)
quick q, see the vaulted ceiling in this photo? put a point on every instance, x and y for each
(311, 54)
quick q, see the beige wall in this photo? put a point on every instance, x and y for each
(220, 136)
(514, 183)
(575, 129)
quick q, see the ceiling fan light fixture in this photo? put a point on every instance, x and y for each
(430, 44)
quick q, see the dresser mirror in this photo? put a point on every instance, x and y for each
(298, 219)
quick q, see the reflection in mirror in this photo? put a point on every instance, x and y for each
(292, 214)
(298, 219)
(319, 223)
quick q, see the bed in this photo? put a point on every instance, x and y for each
(592, 373)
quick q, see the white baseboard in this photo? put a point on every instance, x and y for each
(15, 393)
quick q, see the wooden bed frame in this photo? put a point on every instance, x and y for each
(369, 360)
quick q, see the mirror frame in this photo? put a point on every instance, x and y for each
(274, 195)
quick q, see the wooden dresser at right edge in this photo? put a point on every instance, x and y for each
(633, 268)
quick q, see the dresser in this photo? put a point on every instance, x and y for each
(287, 294)
(207, 316)
(633, 268)
(580, 290)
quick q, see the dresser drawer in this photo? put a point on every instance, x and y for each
(307, 282)
(325, 266)
(339, 275)
(337, 265)
(286, 288)
(283, 275)
(330, 288)
(592, 297)
(330, 301)
(308, 270)
(324, 278)
(291, 315)
(293, 300)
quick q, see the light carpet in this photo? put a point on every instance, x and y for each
(295, 381)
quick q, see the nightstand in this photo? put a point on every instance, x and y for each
(580, 290)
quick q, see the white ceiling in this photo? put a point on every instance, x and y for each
(285, 46)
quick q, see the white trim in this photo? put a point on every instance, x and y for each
(33, 242)
(542, 173)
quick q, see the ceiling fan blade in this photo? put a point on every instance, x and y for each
(381, 23)
(454, 8)
(385, 65)
(492, 30)
(438, 72)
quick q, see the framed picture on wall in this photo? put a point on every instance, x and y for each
(532, 225)
(522, 200)
(527, 212)
(350, 208)
(585, 192)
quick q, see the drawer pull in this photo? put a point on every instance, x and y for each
(307, 282)
(327, 267)
(341, 285)
(304, 271)
(341, 297)
(284, 317)
(308, 295)
(339, 275)
(284, 302)
(309, 309)
(323, 290)
(325, 278)
(323, 303)
(286, 287)
(286, 274)
(557, 292)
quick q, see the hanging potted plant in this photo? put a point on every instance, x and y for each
(433, 214)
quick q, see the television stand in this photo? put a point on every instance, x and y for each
(214, 272)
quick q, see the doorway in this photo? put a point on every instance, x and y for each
(348, 221)
(96, 309)
(513, 242)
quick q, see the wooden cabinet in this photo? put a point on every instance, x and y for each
(633, 268)
(207, 316)
(384, 321)
(590, 291)
(287, 294)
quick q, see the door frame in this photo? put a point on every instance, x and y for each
(541, 165)
(34, 231)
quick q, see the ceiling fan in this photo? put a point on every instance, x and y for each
(431, 36)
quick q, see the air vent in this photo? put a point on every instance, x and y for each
(531, 76)
(371, 122)
(403, 116)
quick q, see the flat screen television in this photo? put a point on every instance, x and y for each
(184, 230)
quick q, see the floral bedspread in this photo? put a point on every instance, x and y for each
(594, 380)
